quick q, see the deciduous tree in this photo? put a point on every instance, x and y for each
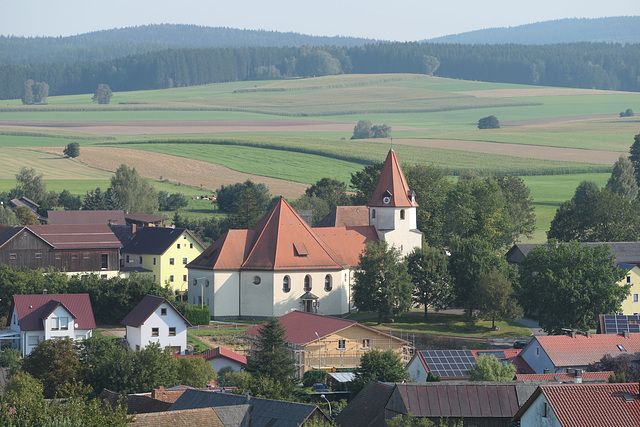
(72, 150)
(496, 297)
(103, 94)
(489, 122)
(333, 191)
(364, 182)
(569, 285)
(25, 216)
(519, 204)
(195, 371)
(489, 368)
(382, 282)
(30, 184)
(433, 285)
(635, 156)
(54, 362)
(623, 180)
(134, 191)
(379, 365)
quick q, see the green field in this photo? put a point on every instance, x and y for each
(417, 107)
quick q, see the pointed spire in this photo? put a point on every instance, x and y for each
(392, 189)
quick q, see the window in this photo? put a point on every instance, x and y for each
(537, 351)
(39, 255)
(75, 256)
(64, 323)
(85, 255)
(307, 283)
(342, 344)
(172, 261)
(184, 236)
(184, 278)
(365, 343)
(13, 255)
(163, 311)
(55, 323)
(104, 276)
(544, 409)
(104, 261)
(191, 245)
(155, 332)
(256, 280)
(178, 245)
(373, 213)
(195, 281)
(33, 340)
(58, 256)
(206, 283)
(628, 279)
(402, 214)
(635, 297)
(327, 283)
(184, 261)
(286, 284)
(154, 260)
(140, 260)
(172, 332)
(171, 278)
(127, 258)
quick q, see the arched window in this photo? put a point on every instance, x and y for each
(327, 283)
(206, 283)
(402, 214)
(307, 283)
(256, 280)
(195, 281)
(286, 284)
(373, 213)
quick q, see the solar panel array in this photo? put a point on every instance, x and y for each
(449, 363)
(618, 323)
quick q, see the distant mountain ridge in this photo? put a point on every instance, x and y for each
(620, 29)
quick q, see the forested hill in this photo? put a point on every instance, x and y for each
(621, 29)
(117, 43)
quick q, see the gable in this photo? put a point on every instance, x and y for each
(149, 305)
(32, 309)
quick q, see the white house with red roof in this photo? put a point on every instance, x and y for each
(156, 320)
(221, 357)
(282, 264)
(327, 342)
(559, 353)
(583, 405)
(40, 317)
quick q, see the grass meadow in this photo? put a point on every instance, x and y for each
(416, 107)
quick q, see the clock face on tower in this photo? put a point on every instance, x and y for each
(386, 200)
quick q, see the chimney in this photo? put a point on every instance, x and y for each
(546, 371)
(578, 377)
(133, 230)
(625, 334)
(157, 393)
(570, 371)
(588, 334)
(572, 334)
(44, 291)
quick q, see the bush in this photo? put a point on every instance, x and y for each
(10, 358)
(197, 315)
(489, 122)
(312, 377)
(365, 129)
(627, 113)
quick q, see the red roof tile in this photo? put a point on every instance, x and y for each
(590, 405)
(348, 242)
(392, 183)
(204, 417)
(345, 216)
(145, 308)
(86, 217)
(223, 352)
(586, 376)
(77, 236)
(564, 350)
(32, 309)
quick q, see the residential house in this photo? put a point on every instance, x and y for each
(325, 342)
(29, 204)
(259, 412)
(221, 357)
(146, 220)
(282, 264)
(75, 249)
(86, 217)
(367, 407)
(156, 320)
(160, 252)
(627, 258)
(40, 317)
(562, 353)
(583, 405)
(454, 364)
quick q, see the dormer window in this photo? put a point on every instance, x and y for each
(300, 250)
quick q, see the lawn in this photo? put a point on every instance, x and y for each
(450, 325)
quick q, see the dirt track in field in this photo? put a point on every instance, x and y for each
(190, 172)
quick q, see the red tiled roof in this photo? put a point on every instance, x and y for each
(205, 417)
(223, 352)
(563, 376)
(345, 216)
(392, 180)
(590, 405)
(86, 217)
(348, 242)
(77, 236)
(564, 350)
(145, 308)
(32, 309)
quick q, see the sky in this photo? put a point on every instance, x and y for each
(399, 20)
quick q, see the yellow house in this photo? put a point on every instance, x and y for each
(631, 305)
(326, 342)
(162, 252)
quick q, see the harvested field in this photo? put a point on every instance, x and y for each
(189, 172)
(542, 91)
(520, 150)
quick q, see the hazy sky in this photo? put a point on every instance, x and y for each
(388, 20)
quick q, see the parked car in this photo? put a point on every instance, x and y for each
(320, 388)
(519, 344)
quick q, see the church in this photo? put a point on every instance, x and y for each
(282, 264)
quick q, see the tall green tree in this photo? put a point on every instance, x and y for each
(8, 217)
(55, 362)
(40, 92)
(247, 209)
(97, 200)
(519, 204)
(433, 285)
(489, 368)
(195, 371)
(333, 191)
(570, 285)
(470, 260)
(134, 191)
(72, 150)
(623, 180)
(30, 184)
(271, 357)
(103, 94)
(635, 157)
(27, 92)
(25, 216)
(496, 297)
(382, 283)
(364, 183)
(379, 365)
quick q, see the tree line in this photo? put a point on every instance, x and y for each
(582, 65)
